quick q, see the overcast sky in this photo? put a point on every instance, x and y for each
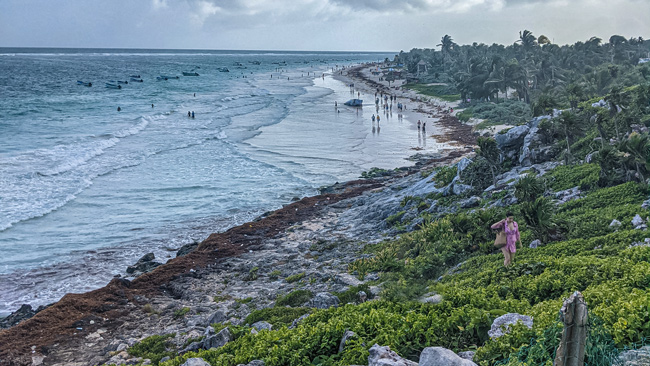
(346, 25)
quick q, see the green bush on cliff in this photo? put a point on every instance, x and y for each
(294, 298)
(154, 348)
(277, 316)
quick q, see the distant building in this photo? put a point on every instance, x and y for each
(422, 67)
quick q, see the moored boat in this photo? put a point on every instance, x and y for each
(223, 69)
(354, 103)
(135, 76)
(136, 80)
(79, 82)
(167, 77)
(113, 86)
(190, 73)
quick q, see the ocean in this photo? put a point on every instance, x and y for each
(86, 190)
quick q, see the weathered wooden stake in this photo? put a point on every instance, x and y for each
(571, 351)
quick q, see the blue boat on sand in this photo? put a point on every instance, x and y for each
(113, 86)
(79, 82)
(354, 103)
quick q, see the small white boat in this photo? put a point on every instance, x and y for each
(113, 86)
(79, 82)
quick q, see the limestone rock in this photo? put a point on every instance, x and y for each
(197, 361)
(637, 357)
(505, 320)
(297, 321)
(467, 355)
(473, 201)
(568, 195)
(513, 138)
(253, 363)
(323, 300)
(535, 243)
(217, 340)
(346, 337)
(217, 317)
(615, 224)
(262, 325)
(438, 356)
(639, 223)
(433, 299)
(383, 356)
(459, 189)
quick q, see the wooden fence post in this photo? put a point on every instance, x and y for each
(571, 351)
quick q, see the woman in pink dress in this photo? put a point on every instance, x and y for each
(510, 227)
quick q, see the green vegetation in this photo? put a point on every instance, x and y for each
(445, 175)
(294, 298)
(295, 278)
(274, 275)
(443, 92)
(181, 312)
(277, 316)
(510, 112)
(153, 348)
(351, 295)
(376, 172)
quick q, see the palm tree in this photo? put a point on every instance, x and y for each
(527, 39)
(638, 146)
(446, 45)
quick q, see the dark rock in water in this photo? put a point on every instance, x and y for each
(186, 249)
(144, 264)
(25, 312)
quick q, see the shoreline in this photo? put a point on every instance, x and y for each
(110, 308)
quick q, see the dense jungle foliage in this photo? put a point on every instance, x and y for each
(605, 151)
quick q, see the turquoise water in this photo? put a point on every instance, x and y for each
(86, 190)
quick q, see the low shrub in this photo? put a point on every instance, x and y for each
(294, 298)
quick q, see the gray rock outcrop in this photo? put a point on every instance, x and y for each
(501, 325)
(262, 325)
(636, 357)
(438, 356)
(197, 361)
(323, 300)
(217, 340)
(383, 356)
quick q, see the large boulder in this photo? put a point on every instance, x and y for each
(23, 313)
(512, 139)
(218, 340)
(323, 300)
(383, 356)
(438, 356)
(186, 249)
(501, 325)
(197, 361)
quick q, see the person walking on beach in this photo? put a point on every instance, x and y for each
(424, 126)
(419, 125)
(511, 231)
(373, 118)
